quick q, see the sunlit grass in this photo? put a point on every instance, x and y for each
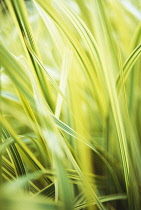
(70, 104)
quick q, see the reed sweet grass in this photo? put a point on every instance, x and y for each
(70, 104)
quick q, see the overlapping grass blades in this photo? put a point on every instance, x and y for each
(70, 98)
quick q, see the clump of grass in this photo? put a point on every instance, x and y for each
(70, 104)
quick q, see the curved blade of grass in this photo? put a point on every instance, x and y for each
(76, 47)
(63, 80)
(9, 170)
(129, 63)
(135, 41)
(5, 144)
(108, 71)
(14, 155)
(65, 186)
(23, 147)
(48, 191)
(92, 192)
(106, 198)
(19, 14)
(10, 96)
(9, 62)
(95, 148)
(7, 165)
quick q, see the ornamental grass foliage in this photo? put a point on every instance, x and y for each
(70, 104)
